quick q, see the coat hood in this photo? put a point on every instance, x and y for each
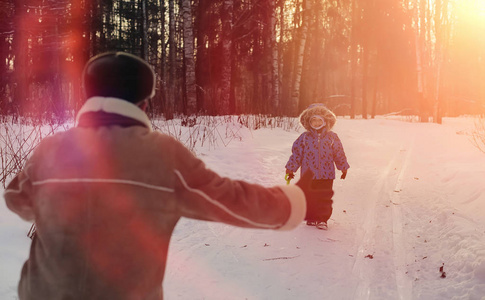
(317, 109)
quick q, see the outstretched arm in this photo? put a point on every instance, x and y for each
(203, 194)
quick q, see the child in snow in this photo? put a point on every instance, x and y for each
(106, 195)
(318, 149)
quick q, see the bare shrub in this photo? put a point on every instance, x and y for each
(213, 131)
(478, 135)
(255, 122)
(18, 139)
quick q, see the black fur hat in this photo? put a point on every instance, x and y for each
(120, 75)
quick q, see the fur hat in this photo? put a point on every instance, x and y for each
(120, 75)
(317, 109)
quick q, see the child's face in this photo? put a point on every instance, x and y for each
(317, 122)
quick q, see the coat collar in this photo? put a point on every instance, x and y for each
(114, 106)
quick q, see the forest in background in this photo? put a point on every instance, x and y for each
(223, 57)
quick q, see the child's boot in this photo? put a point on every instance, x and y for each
(322, 225)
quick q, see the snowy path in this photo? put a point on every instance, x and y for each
(413, 201)
(374, 248)
(385, 193)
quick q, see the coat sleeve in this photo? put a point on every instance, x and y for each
(203, 194)
(18, 194)
(339, 154)
(294, 162)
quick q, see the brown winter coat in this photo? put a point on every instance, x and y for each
(105, 199)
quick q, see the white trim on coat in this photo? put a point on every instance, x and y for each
(104, 180)
(294, 194)
(223, 207)
(114, 106)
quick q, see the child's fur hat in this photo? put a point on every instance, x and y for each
(320, 110)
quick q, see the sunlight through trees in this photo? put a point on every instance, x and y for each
(217, 57)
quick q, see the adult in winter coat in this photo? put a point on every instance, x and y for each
(319, 150)
(106, 195)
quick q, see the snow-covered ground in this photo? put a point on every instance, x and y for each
(413, 202)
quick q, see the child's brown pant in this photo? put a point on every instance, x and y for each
(324, 184)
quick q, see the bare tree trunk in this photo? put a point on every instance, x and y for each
(189, 58)
(300, 51)
(144, 29)
(438, 20)
(419, 31)
(226, 18)
(58, 101)
(353, 59)
(368, 28)
(120, 21)
(20, 42)
(280, 53)
(105, 32)
(365, 78)
(202, 73)
(374, 95)
(170, 107)
(441, 20)
(255, 106)
(274, 59)
(162, 68)
(79, 48)
(5, 62)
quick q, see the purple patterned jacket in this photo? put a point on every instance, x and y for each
(319, 152)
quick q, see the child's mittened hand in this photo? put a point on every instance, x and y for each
(344, 174)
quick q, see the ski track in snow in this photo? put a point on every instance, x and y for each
(403, 281)
(384, 193)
